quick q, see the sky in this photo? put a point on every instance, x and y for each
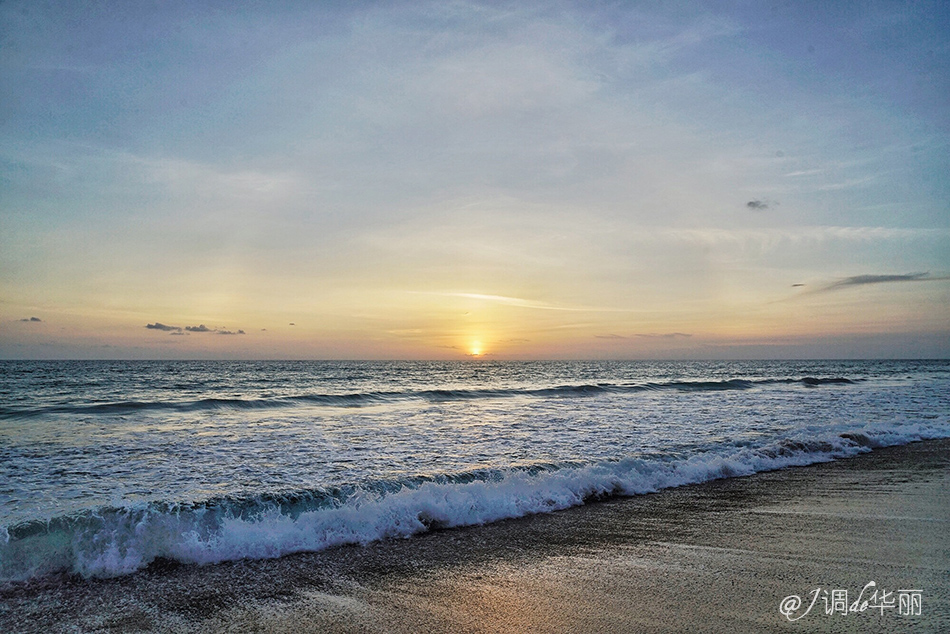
(463, 180)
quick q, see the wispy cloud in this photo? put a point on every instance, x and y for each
(664, 335)
(848, 184)
(800, 173)
(712, 236)
(868, 279)
(510, 301)
(522, 303)
(31, 319)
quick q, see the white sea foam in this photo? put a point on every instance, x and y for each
(113, 542)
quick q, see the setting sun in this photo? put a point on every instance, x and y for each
(475, 349)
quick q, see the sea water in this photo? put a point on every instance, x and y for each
(106, 466)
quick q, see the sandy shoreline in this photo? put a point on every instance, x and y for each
(712, 557)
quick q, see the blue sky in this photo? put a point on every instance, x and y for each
(412, 180)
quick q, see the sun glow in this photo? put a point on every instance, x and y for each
(475, 349)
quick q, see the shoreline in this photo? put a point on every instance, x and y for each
(701, 557)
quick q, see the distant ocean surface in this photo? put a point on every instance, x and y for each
(106, 466)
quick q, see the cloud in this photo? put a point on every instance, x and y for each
(523, 303)
(610, 336)
(864, 280)
(800, 173)
(178, 330)
(848, 184)
(858, 280)
(160, 326)
(800, 236)
(510, 301)
(667, 335)
(32, 319)
(757, 204)
(217, 331)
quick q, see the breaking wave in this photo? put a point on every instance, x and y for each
(112, 541)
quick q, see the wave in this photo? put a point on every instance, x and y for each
(365, 399)
(113, 541)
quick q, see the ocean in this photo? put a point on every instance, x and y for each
(108, 466)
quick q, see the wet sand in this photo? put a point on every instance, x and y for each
(713, 557)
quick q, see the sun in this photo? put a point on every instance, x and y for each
(475, 349)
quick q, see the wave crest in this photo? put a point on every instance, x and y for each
(115, 541)
(366, 399)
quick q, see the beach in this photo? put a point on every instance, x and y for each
(716, 556)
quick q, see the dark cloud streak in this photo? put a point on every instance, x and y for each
(160, 326)
(867, 279)
(178, 330)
